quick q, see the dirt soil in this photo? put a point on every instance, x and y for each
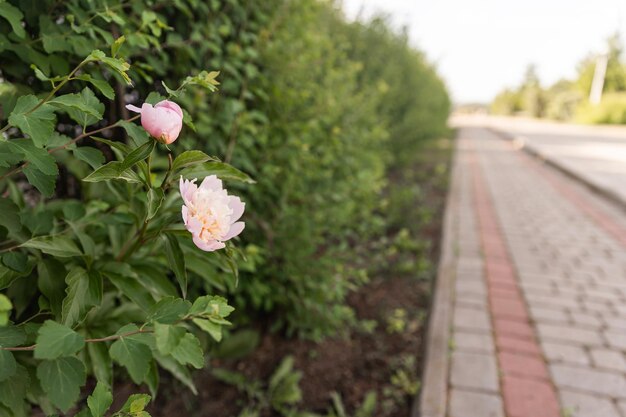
(351, 365)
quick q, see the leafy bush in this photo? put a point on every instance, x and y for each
(98, 271)
(611, 110)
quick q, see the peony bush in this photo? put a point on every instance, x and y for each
(87, 281)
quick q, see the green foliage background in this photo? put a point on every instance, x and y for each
(317, 110)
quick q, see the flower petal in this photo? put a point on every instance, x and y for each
(211, 183)
(171, 106)
(208, 246)
(235, 229)
(236, 206)
(185, 211)
(133, 108)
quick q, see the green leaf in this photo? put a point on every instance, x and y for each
(214, 330)
(190, 158)
(167, 337)
(100, 400)
(211, 305)
(189, 352)
(8, 366)
(55, 340)
(221, 169)
(117, 45)
(58, 245)
(155, 199)
(62, 379)
(11, 336)
(137, 133)
(38, 157)
(131, 288)
(116, 64)
(9, 215)
(132, 353)
(5, 310)
(92, 156)
(136, 403)
(84, 290)
(113, 171)
(17, 261)
(138, 154)
(176, 259)
(177, 370)
(38, 124)
(122, 147)
(48, 271)
(101, 85)
(100, 362)
(43, 182)
(84, 108)
(169, 310)
(14, 16)
(203, 79)
(13, 390)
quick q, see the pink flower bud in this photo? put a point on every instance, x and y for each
(163, 122)
(209, 213)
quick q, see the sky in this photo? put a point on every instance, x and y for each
(482, 46)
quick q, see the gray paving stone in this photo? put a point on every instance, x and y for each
(586, 337)
(577, 404)
(479, 342)
(474, 370)
(558, 352)
(465, 403)
(591, 381)
(471, 318)
(608, 359)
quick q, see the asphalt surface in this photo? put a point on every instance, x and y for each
(596, 154)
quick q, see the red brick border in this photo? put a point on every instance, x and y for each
(526, 385)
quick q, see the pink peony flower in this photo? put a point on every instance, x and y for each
(163, 121)
(209, 213)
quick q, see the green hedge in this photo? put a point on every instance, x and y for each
(315, 109)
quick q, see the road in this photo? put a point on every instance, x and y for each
(596, 154)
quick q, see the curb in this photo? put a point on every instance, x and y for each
(433, 397)
(535, 153)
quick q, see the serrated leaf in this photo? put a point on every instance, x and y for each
(116, 64)
(221, 169)
(84, 290)
(132, 288)
(101, 85)
(38, 124)
(155, 199)
(92, 156)
(48, 271)
(137, 133)
(9, 215)
(214, 330)
(167, 337)
(8, 366)
(176, 259)
(84, 108)
(13, 390)
(138, 154)
(190, 158)
(100, 400)
(113, 171)
(55, 340)
(11, 336)
(136, 403)
(100, 362)
(14, 17)
(17, 261)
(43, 182)
(62, 379)
(58, 245)
(189, 351)
(132, 353)
(169, 310)
(115, 47)
(38, 157)
(179, 371)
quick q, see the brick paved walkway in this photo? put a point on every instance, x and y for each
(539, 312)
